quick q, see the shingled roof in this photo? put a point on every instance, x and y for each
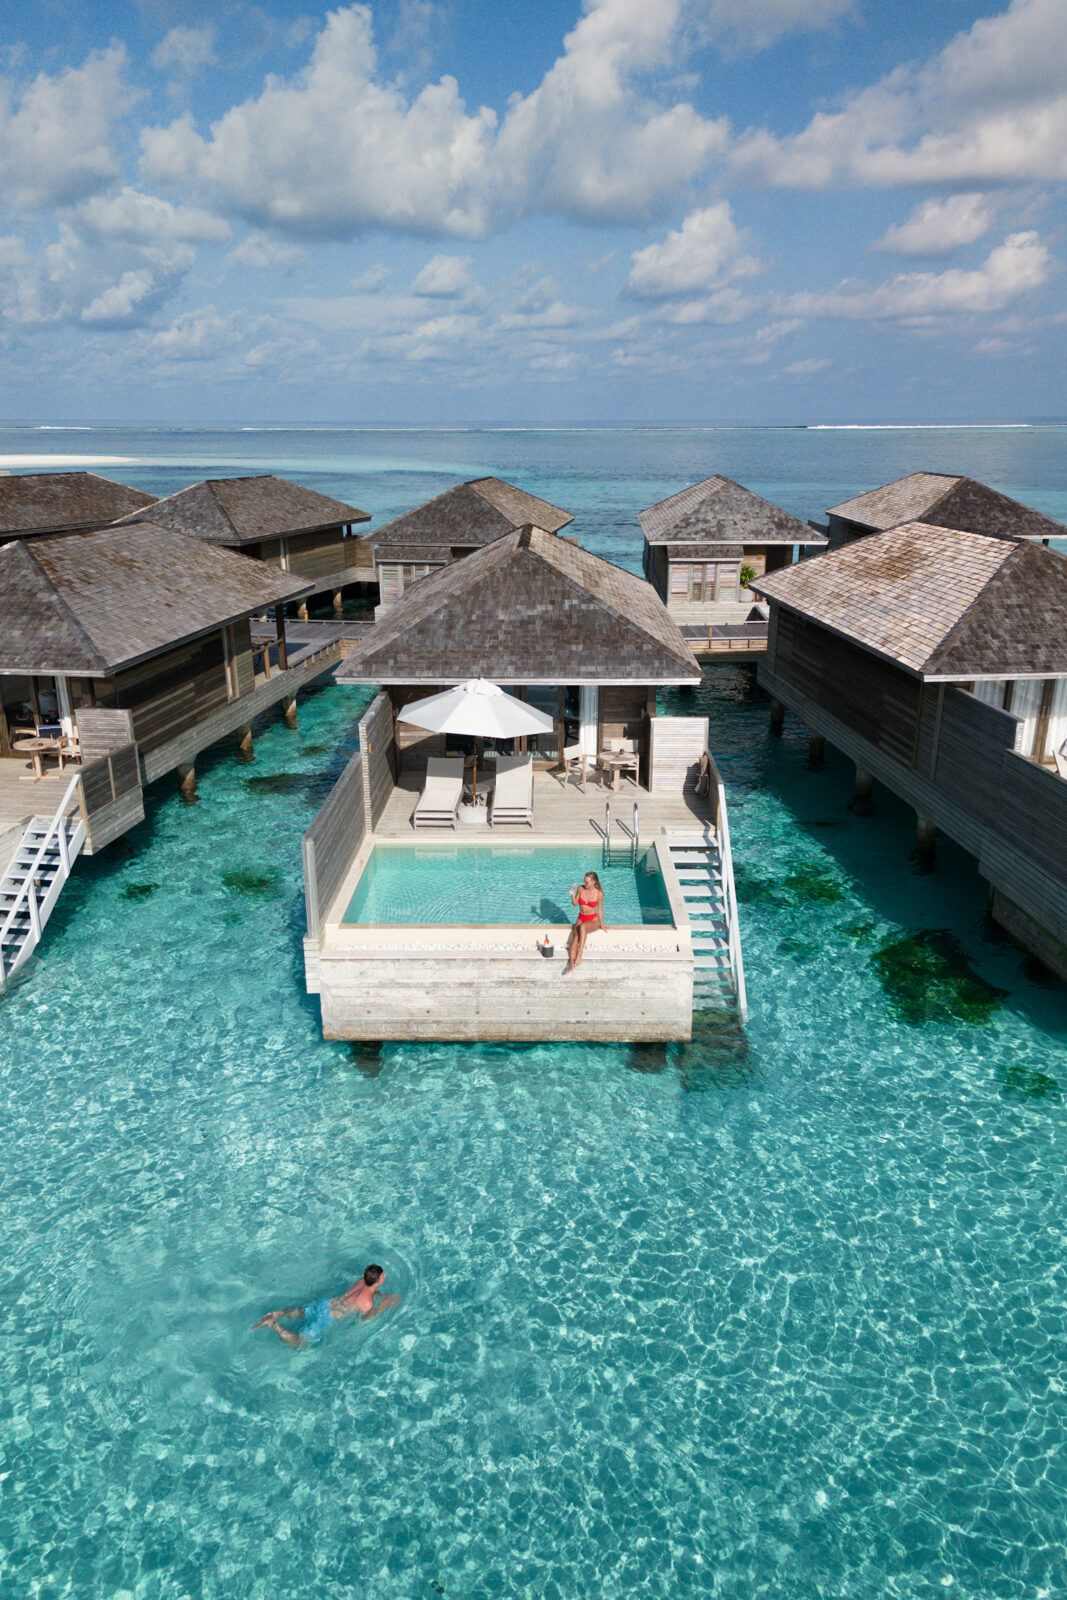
(528, 608)
(941, 501)
(234, 511)
(943, 603)
(63, 502)
(95, 602)
(468, 516)
(722, 511)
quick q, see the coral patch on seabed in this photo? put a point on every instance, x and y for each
(256, 885)
(926, 978)
(1027, 1081)
(277, 783)
(139, 891)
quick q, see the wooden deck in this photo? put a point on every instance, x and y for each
(21, 799)
(559, 813)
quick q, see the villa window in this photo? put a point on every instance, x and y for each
(700, 581)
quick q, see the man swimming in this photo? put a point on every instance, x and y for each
(364, 1299)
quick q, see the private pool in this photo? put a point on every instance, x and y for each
(510, 883)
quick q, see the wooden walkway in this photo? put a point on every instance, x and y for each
(558, 813)
(21, 799)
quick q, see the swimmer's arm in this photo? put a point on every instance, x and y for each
(384, 1304)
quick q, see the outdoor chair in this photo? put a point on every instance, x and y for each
(575, 764)
(512, 799)
(624, 759)
(438, 805)
(1060, 758)
(69, 749)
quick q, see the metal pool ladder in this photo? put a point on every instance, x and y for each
(622, 852)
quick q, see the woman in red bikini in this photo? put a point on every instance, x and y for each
(588, 896)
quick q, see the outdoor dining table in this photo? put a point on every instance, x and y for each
(35, 749)
(618, 760)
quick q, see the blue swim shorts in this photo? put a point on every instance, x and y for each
(317, 1320)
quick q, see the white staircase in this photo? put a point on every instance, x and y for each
(704, 866)
(34, 879)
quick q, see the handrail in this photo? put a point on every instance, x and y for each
(636, 836)
(57, 829)
(722, 828)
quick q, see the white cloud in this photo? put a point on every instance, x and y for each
(371, 281)
(1016, 267)
(804, 369)
(991, 107)
(704, 254)
(56, 138)
(103, 282)
(133, 215)
(445, 277)
(262, 252)
(184, 50)
(586, 143)
(334, 151)
(938, 226)
(755, 24)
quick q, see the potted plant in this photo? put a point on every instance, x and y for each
(748, 576)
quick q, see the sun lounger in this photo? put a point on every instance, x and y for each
(438, 805)
(513, 791)
(1060, 758)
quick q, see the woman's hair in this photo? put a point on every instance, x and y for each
(372, 1276)
(596, 880)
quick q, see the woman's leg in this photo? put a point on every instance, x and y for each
(572, 940)
(582, 929)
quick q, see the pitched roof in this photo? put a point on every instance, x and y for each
(94, 602)
(233, 511)
(470, 515)
(941, 501)
(60, 502)
(528, 608)
(721, 510)
(940, 602)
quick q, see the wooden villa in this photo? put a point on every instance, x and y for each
(588, 644)
(453, 525)
(936, 659)
(705, 548)
(940, 500)
(125, 652)
(36, 504)
(275, 521)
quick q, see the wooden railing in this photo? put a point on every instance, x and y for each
(332, 842)
(110, 796)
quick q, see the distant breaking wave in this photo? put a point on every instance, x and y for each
(910, 427)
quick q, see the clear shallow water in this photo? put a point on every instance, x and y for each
(486, 883)
(762, 1316)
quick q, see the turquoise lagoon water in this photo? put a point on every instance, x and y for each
(507, 883)
(779, 1313)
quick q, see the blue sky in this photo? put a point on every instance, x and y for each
(460, 210)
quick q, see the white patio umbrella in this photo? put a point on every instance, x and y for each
(477, 708)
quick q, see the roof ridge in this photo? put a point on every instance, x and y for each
(948, 638)
(62, 604)
(210, 483)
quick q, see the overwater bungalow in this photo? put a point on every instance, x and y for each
(453, 525)
(276, 521)
(936, 660)
(704, 549)
(627, 792)
(36, 504)
(940, 500)
(125, 652)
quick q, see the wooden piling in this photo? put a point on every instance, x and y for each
(925, 843)
(245, 751)
(289, 710)
(816, 753)
(338, 605)
(777, 718)
(861, 802)
(187, 781)
(302, 611)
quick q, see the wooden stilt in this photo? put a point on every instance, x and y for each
(925, 843)
(861, 802)
(283, 651)
(187, 781)
(816, 753)
(777, 718)
(245, 751)
(338, 605)
(302, 610)
(289, 710)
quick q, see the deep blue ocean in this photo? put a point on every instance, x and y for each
(777, 1314)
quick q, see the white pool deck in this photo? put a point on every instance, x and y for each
(490, 983)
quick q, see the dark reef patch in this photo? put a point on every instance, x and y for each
(1027, 1081)
(254, 885)
(277, 783)
(926, 978)
(139, 891)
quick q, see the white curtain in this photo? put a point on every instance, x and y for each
(991, 690)
(587, 718)
(1025, 704)
(1057, 727)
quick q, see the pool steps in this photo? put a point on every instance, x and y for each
(34, 880)
(698, 866)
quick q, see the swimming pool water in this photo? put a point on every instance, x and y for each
(501, 883)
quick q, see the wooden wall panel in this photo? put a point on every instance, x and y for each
(172, 692)
(677, 744)
(376, 745)
(316, 555)
(331, 843)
